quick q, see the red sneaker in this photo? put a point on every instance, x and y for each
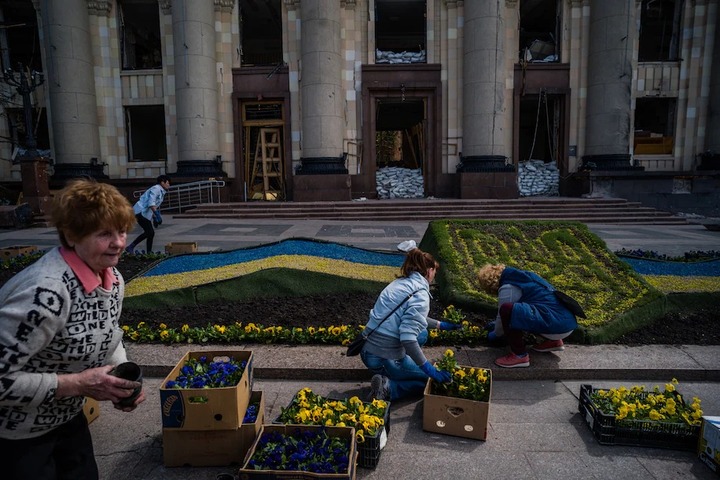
(513, 361)
(550, 346)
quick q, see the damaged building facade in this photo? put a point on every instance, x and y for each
(309, 100)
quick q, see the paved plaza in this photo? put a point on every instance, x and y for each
(535, 430)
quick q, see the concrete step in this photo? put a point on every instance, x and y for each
(549, 208)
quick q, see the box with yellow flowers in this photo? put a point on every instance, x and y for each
(460, 408)
(371, 420)
(638, 417)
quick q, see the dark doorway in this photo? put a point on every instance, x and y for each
(401, 147)
(540, 130)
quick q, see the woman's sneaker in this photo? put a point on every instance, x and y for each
(513, 361)
(550, 346)
(379, 388)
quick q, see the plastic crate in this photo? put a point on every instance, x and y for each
(369, 450)
(636, 433)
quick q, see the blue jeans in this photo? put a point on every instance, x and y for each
(406, 378)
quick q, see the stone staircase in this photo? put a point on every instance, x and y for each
(586, 210)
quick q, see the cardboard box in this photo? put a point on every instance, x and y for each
(709, 444)
(345, 432)
(212, 448)
(176, 248)
(459, 417)
(15, 251)
(91, 409)
(207, 408)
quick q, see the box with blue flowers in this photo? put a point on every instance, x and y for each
(301, 452)
(207, 390)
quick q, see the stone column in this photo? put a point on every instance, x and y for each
(483, 172)
(70, 81)
(196, 85)
(483, 80)
(323, 121)
(609, 84)
(712, 135)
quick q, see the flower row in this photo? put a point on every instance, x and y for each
(257, 333)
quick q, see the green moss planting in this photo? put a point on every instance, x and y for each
(614, 297)
(272, 282)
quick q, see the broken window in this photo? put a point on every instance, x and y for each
(19, 39)
(140, 34)
(145, 130)
(659, 30)
(654, 126)
(540, 27)
(260, 32)
(400, 31)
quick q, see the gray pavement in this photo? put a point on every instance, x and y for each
(535, 430)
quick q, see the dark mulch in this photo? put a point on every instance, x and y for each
(691, 328)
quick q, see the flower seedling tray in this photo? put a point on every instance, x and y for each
(6, 253)
(369, 450)
(246, 473)
(636, 433)
(459, 417)
(207, 408)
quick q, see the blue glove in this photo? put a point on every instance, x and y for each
(439, 376)
(493, 337)
(450, 326)
(157, 218)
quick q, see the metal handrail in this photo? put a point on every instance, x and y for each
(185, 196)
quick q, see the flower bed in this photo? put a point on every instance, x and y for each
(636, 417)
(371, 420)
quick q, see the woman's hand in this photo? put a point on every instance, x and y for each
(98, 384)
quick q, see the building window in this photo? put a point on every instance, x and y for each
(260, 32)
(400, 31)
(540, 27)
(659, 30)
(140, 44)
(19, 36)
(654, 126)
(145, 127)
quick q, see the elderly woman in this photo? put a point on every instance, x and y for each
(397, 328)
(526, 303)
(60, 337)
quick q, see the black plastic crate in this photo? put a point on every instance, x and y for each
(368, 451)
(636, 433)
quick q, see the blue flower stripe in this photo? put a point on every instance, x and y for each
(189, 263)
(709, 268)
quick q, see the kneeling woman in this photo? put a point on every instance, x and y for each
(398, 327)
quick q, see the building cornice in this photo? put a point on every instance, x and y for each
(224, 5)
(99, 7)
(166, 6)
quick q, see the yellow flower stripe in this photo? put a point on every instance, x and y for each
(164, 283)
(676, 284)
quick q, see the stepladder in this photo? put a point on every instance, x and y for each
(266, 180)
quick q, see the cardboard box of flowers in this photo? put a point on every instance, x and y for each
(638, 417)
(301, 452)
(371, 420)
(209, 448)
(460, 408)
(207, 390)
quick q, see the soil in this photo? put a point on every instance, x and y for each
(690, 328)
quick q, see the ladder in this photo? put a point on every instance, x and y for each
(266, 180)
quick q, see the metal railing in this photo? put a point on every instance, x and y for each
(185, 196)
